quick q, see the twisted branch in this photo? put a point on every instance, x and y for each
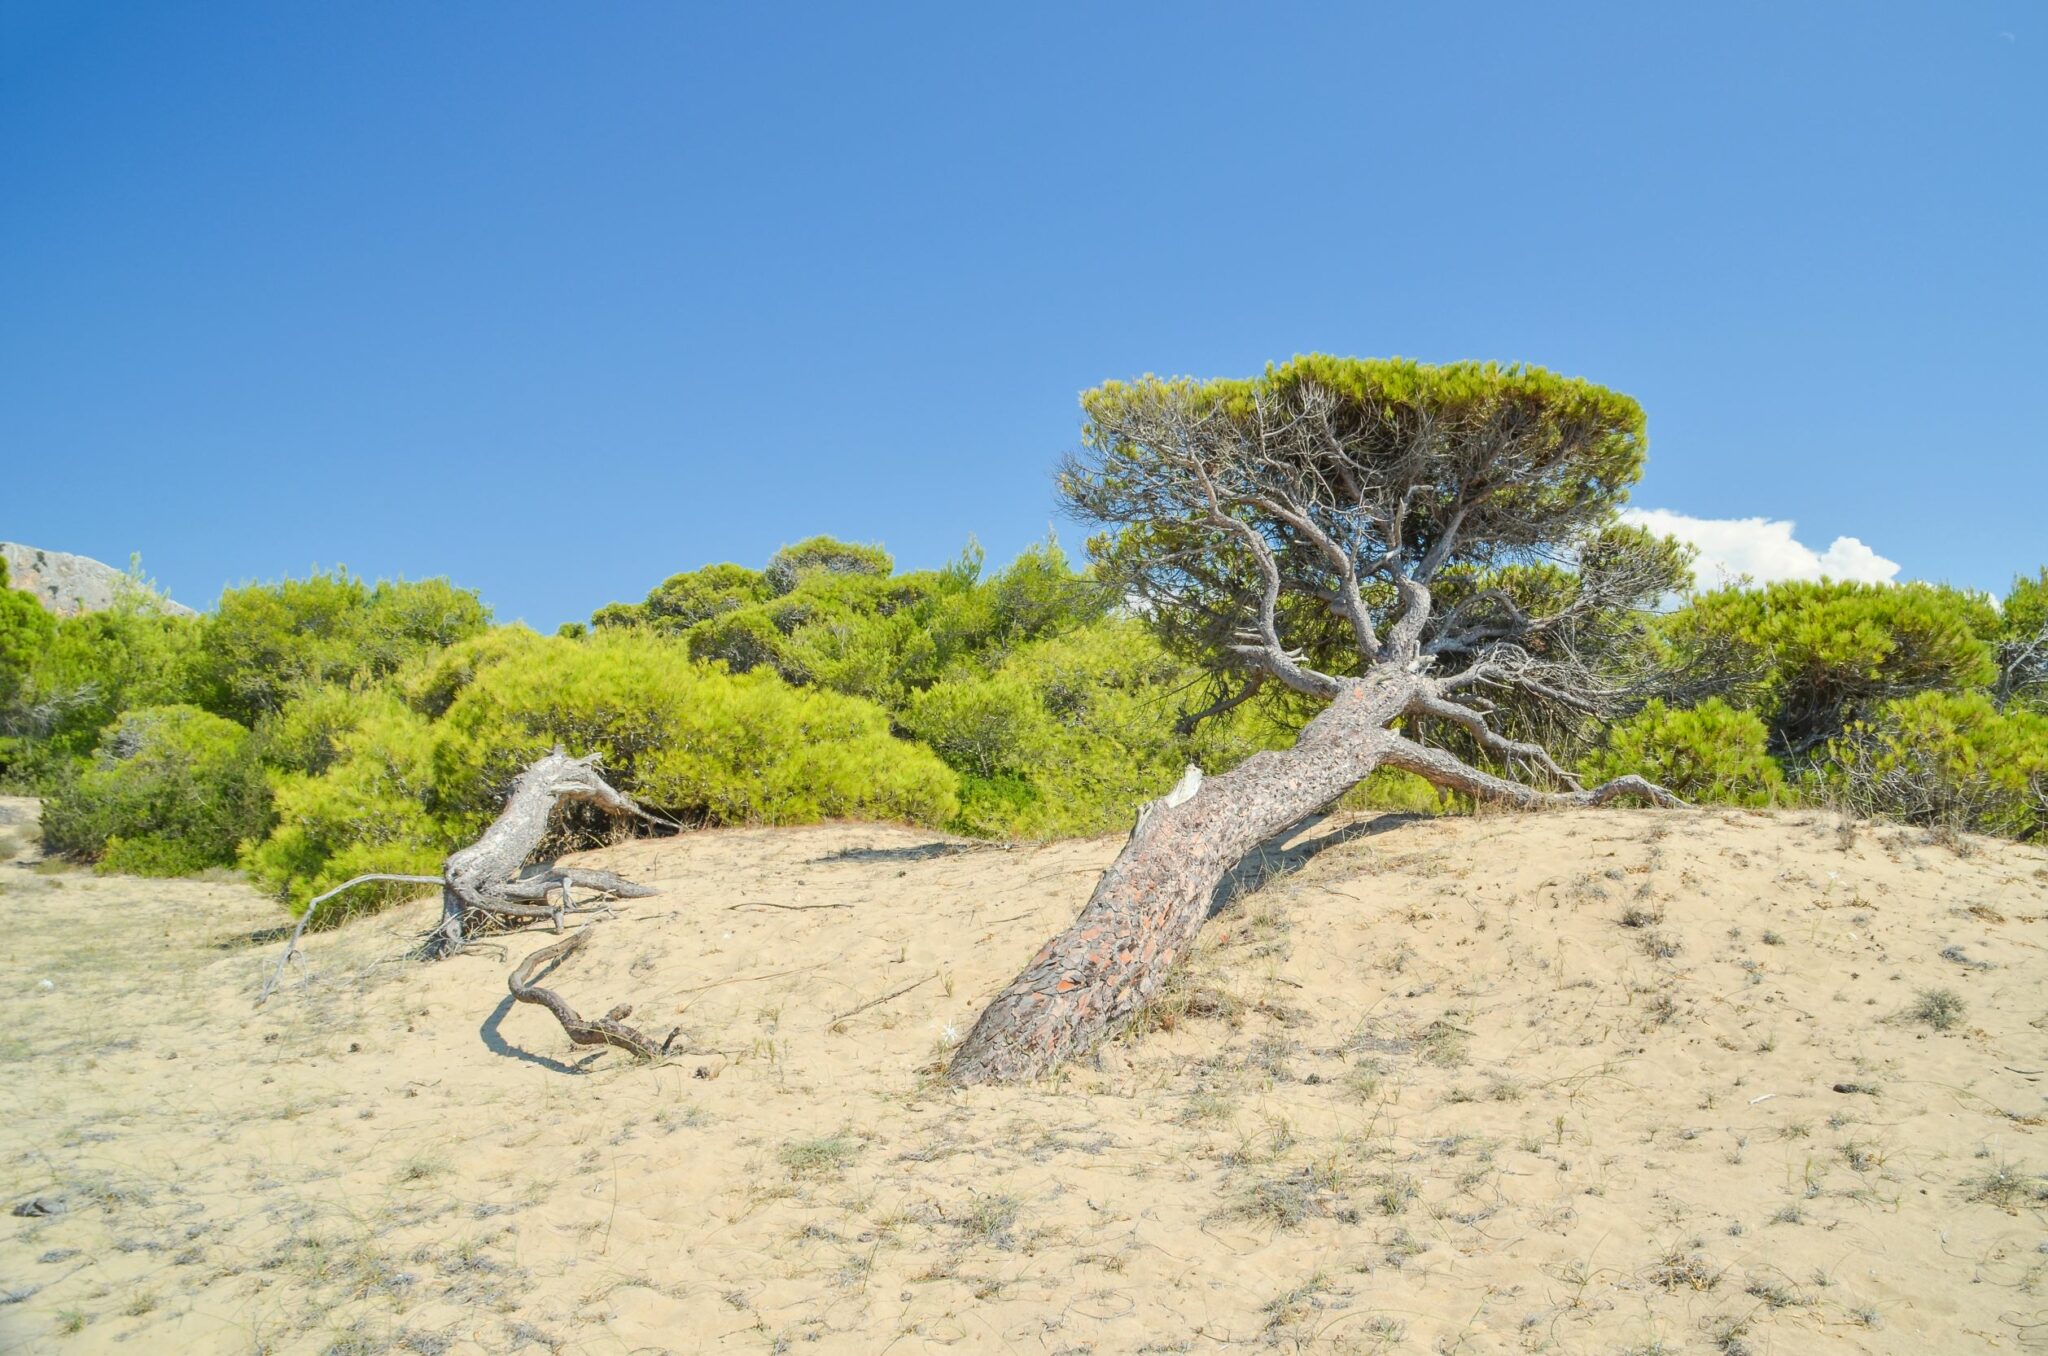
(609, 1029)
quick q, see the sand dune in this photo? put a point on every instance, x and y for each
(1606, 1082)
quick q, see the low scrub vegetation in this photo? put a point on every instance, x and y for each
(311, 730)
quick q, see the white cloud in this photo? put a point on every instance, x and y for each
(1764, 549)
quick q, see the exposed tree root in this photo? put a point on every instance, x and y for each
(609, 1029)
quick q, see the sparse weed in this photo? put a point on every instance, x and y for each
(820, 1158)
(1938, 1008)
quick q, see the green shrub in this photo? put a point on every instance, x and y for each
(824, 555)
(372, 805)
(1391, 789)
(173, 789)
(26, 629)
(1948, 760)
(371, 781)
(1709, 753)
(1820, 656)
(268, 641)
(80, 673)
(2023, 642)
(682, 600)
(702, 744)
(1070, 735)
(984, 726)
(827, 614)
(431, 684)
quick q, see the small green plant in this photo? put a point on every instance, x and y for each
(1941, 1009)
(2008, 1187)
(817, 1158)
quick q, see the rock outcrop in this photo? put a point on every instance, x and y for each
(68, 585)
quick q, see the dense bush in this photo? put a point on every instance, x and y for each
(1948, 760)
(682, 600)
(383, 785)
(790, 566)
(79, 674)
(828, 614)
(1068, 735)
(326, 727)
(173, 789)
(268, 641)
(373, 805)
(701, 744)
(25, 629)
(1708, 753)
(2023, 642)
(1814, 657)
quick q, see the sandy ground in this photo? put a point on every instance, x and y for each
(1604, 1082)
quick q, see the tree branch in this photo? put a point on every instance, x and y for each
(609, 1029)
(291, 947)
(1440, 768)
(1509, 750)
(1269, 652)
(1186, 724)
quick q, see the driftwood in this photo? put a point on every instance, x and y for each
(609, 1029)
(488, 881)
(291, 947)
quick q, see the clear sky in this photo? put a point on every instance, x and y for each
(558, 299)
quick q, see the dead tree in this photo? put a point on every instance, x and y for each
(487, 882)
(1427, 554)
(484, 882)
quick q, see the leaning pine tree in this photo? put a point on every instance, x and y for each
(1427, 556)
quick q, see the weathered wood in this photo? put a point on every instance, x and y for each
(1146, 909)
(291, 947)
(609, 1029)
(482, 880)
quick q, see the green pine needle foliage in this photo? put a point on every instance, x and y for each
(1708, 754)
(1948, 760)
(1811, 658)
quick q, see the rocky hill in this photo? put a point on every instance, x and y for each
(68, 585)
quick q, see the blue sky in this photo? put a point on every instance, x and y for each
(559, 299)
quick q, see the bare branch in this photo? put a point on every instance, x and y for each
(1230, 702)
(1440, 768)
(609, 1029)
(291, 947)
(1510, 751)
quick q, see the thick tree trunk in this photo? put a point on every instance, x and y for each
(1148, 906)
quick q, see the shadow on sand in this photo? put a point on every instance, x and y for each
(495, 1041)
(1290, 851)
